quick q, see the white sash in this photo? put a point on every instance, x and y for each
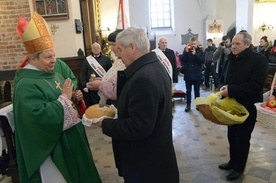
(96, 66)
(164, 60)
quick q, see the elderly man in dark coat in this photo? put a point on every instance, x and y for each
(242, 78)
(163, 46)
(144, 123)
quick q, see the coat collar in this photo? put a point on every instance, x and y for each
(140, 62)
(242, 54)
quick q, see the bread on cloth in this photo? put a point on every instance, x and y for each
(95, 111)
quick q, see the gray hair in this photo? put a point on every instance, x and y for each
(35, 55)
(247, 39)
(136, 36)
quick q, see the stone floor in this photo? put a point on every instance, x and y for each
(200, 147)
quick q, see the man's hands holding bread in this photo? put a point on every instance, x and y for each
(95, 114)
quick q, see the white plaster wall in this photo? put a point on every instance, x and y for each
(251, 15)
(109, 14)
(243, 13)
(264, 13)
(188, 14)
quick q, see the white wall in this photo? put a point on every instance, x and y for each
(188, 14)
(251, 15)
(243, 13)
(264, 13)
(109, 13)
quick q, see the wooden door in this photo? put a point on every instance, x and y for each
(90, 14)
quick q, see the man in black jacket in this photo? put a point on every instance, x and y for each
(97, 64)
(193, 60)
(210, 64)
(221, 54)
(242, 78)
(144, 124)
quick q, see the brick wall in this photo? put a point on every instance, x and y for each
(12, 50)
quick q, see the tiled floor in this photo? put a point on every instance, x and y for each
(200, 147)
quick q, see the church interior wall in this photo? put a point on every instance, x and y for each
(187, 14)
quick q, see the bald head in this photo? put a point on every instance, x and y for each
(162, 43)
(96, 48)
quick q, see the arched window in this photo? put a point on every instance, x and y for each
(160, 14)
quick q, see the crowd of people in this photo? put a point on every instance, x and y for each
(220, 62)
(51, 142)
(138, 83)
(214, 62)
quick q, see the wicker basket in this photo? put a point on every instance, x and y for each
(265, 116)
(207, 114)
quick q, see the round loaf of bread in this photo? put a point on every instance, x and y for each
(95, 111)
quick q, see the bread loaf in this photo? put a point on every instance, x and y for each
(95, 111)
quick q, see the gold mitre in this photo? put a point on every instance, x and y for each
(35, 34)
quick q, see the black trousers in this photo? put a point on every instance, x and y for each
(189, 85)
(210, 69)
(239, 139)
(94, 97)
(117, 151)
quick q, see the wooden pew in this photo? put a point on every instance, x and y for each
(75, 64)
(8, 155)
(270, 74)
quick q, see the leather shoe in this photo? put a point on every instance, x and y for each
(188, 108)
(225, 166)
(233, 175)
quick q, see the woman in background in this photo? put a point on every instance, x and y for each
(264, 47)
(107, 87)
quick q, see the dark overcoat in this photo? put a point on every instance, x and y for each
(194, 64)
(87, 70)
(245, 76)
(144, 123)
(171, 56)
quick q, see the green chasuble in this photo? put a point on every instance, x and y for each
(63, 69)
(38, 120)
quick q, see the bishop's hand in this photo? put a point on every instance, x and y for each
(67, 88)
